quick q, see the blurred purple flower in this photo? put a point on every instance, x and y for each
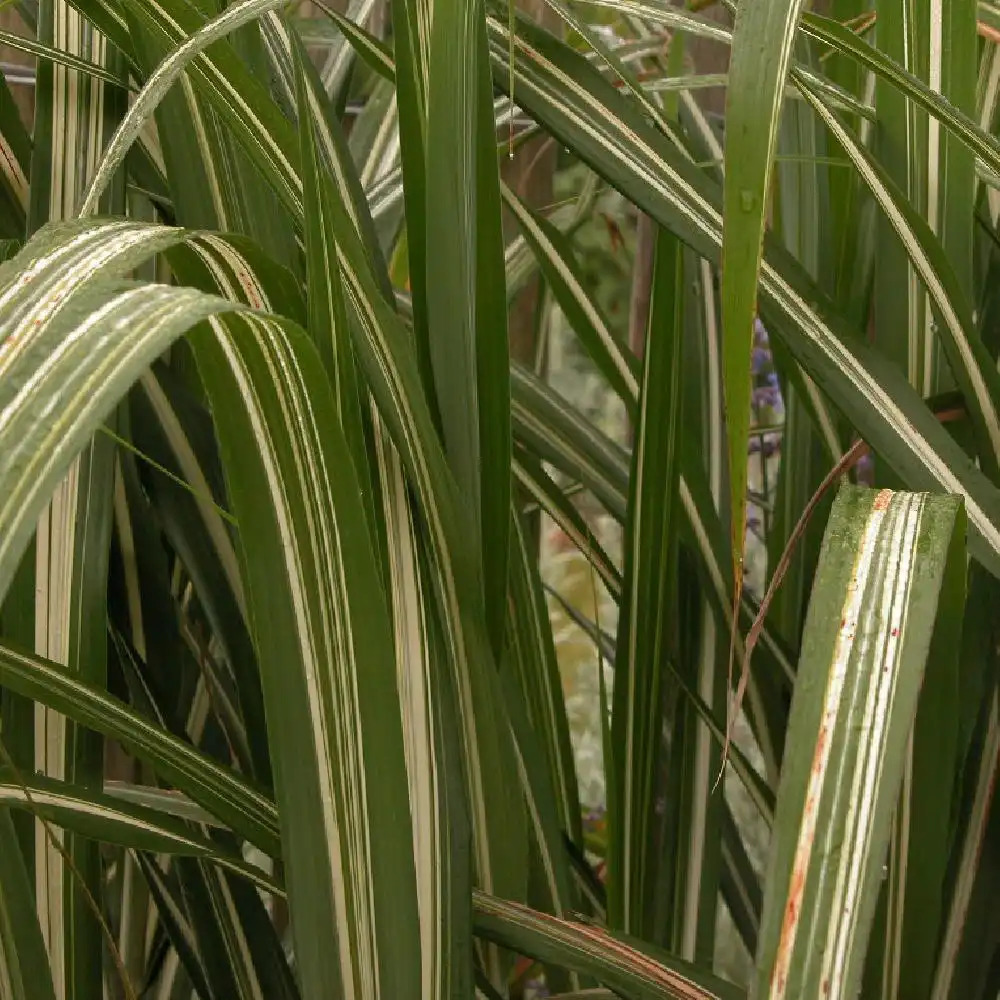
(536, 988)
(766, 395)
(760, 334)
(759, 359)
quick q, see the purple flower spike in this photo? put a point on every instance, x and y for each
(766, 395)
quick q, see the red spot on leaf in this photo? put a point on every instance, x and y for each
(882, 500)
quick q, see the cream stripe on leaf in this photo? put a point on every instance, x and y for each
(629, 967)
(112, 820)
(883, 586)
(74, 114)
(424, 704)
(243, 808)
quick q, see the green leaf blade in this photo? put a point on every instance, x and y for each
(878, 590)
(643, 645)
(333, 717)
(763, 38)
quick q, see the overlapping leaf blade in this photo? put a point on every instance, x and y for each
(886, 575)
(644, 643)
(763, 39)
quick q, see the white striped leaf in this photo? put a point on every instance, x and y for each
(222, 793)
(633, 970)
(424, 697)
(326, 707)
(885, 577)
(842, 39)
(74, 112)
(328, 321)
(60, 328)
(440, 829)
(112, 820)
(374, 53)
(24, 964)
(61, 57)
(157, 86)
(957, 121)
(43, 337)
(331, 145)
(333, 722)
(337, 66)
(936, 44)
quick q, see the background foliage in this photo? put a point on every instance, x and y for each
(407, 411)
